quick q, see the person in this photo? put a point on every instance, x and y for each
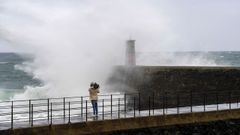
(93, 92)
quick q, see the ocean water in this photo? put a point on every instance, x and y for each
(14, 80)
(224, 58)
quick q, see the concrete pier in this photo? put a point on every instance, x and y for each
(109, 126)
(218, 84)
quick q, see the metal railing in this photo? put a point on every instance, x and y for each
(29, 113)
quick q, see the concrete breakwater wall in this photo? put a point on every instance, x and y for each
(178, 86)
(178, 123)
(227, 127)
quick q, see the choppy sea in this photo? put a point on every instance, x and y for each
(13, 80)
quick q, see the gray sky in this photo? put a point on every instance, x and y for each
(198, 25)
(206, 24)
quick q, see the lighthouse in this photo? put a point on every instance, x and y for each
(130, 59)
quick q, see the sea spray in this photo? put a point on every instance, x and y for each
(77, 42)
(74, 42)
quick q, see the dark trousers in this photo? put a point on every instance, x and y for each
(95, 107)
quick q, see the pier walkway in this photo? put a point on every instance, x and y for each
(116, 112)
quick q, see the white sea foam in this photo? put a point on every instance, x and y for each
(77, 42)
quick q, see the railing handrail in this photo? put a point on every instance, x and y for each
(67, 97)
(100, 95)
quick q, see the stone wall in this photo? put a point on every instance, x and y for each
(178, 86)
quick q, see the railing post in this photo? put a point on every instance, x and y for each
(69, 113)
(230, 100)
(32, 116)
(29, 104)
(237, 100)
(86, 111)
(103, 109)
(12, 116)
(163, 103)
(178, 102)
(149, 105)
(204, 101)
(81, 107)
(125, 106)
(48, 109)
(118, 107)
(153, 103)
(217, 101)
(166, 103)
(139, 103)
(51, 113)
(111, 105)
(134, 102)
(64, 113)
(191, 98)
